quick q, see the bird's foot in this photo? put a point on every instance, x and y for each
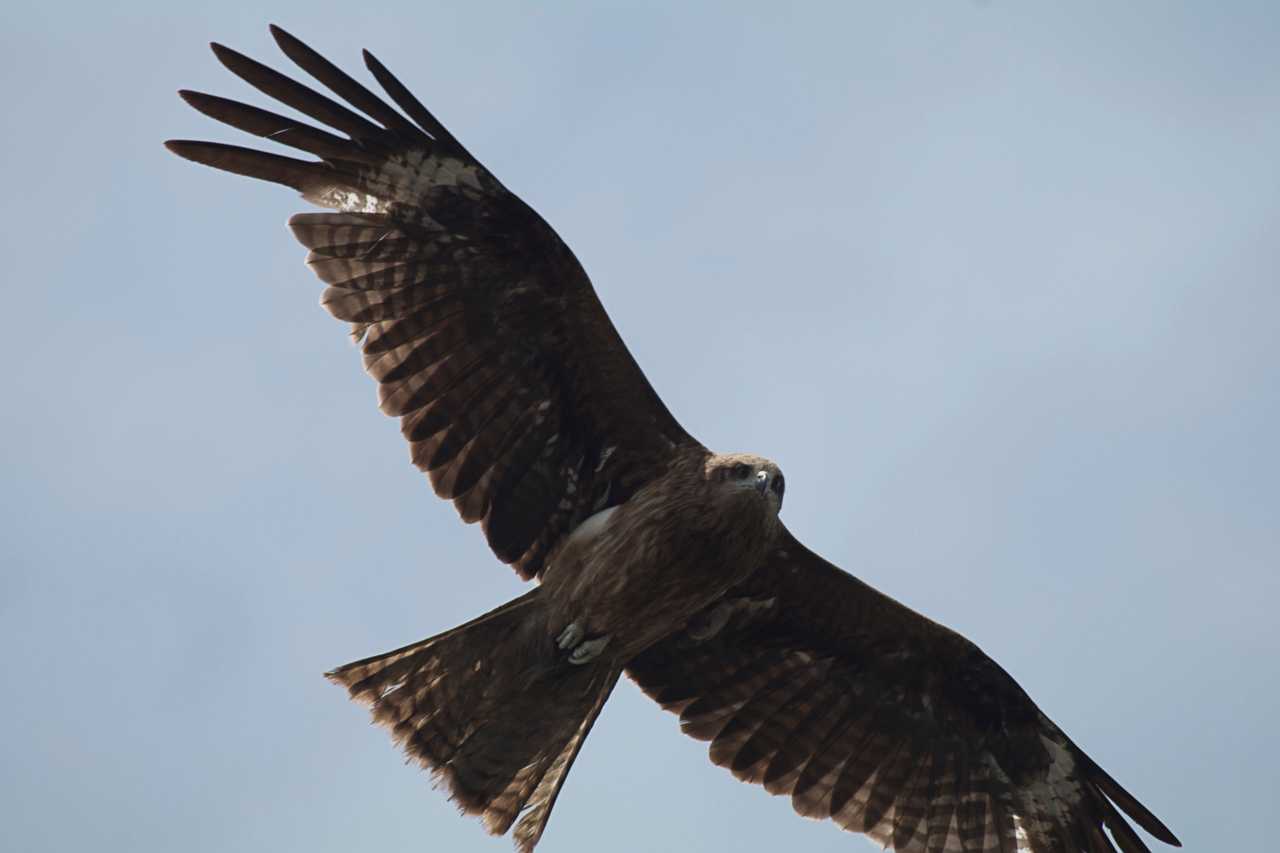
(589, 650)
(571, 636)
(709, 622)
(573, 639)
(712, 621)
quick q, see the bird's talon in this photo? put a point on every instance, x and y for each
(589, 650)
(571, 636)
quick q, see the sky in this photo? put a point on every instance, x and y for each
(995, 283)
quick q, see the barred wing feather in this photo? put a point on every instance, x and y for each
(514, 391)
(821, 689)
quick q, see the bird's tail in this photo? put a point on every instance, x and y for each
(490, 709)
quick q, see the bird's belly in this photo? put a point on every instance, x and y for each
(641, 588)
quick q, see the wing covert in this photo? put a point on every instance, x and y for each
(813, 684)
(515, 392)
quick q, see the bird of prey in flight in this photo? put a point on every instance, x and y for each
(653, 555)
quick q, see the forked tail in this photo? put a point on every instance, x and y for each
(490, 709)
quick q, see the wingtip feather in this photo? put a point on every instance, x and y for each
(283, 38)
(249, 162)
(224, 54)
(184, 148)
(1129, 804)
(199, 101)
(287, 41)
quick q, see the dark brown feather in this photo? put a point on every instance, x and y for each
(1125, 837)
(305, 100)
(803, 741)
(912, 805)
(909, 734)
(489, 710)
(342, 84)
(298, 174)
(444, 274)
(890, 779)
(406, 101)
(524, 408)
(1130, 806)
(270, 125)
(763, 726)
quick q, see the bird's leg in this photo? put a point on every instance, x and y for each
(708, 623)
(711, 621)
(581, 650)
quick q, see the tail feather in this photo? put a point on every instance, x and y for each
(490, 710)
(543, 799)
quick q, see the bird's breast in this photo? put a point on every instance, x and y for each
(641, 570)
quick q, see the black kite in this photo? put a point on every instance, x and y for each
(655, 556)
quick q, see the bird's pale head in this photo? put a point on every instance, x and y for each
(744, 476)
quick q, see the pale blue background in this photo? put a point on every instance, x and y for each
(995, 283)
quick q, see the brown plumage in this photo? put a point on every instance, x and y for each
(655, 556)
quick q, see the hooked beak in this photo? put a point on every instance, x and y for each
(762, 482)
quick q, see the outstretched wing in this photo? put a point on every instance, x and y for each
(808, 681)
(515, 392)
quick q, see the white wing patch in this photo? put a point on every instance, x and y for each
(347, 200)
(1020, 835)
(407, 178)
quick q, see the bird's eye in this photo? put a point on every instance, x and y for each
(740, 471)
(779, 485)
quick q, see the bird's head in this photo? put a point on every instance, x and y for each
(744, 474)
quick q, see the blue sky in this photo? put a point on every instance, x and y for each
(995, 283)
